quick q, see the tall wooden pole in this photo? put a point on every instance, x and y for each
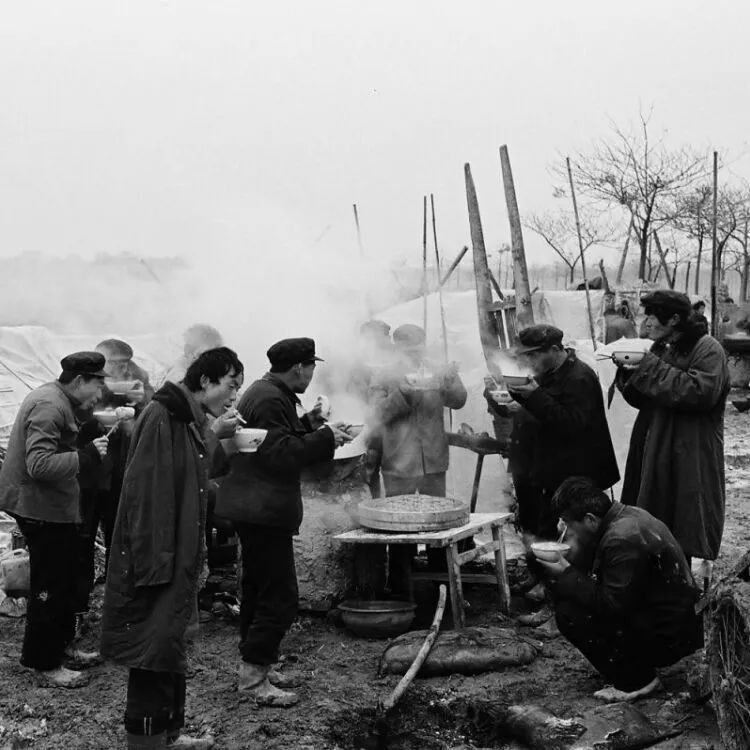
(524, 310)
(359, 234)
(488, 334)
(454, 265)
(424, 265)
(580, 250)
(440, 288)
(623, 257)
(687, 278)
(714, 248)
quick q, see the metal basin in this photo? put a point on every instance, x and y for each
(377, 618)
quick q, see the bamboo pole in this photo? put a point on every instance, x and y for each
(580, 249)
(359, 234)
(454, 265)
(437, 271)
(424, 265)
(714, 247)
(524, 309)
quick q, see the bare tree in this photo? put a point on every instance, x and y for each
(558, 230)
(640, 174)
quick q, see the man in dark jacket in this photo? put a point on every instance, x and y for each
(39, 488)
(631, 607)
(262, 496)
(675, 467)
(560, 431)
(158, 545)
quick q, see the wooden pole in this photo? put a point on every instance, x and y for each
(359, 234)
(424, 265)
(488, 333)
(623, 257)
(440, 289)
(454, 265)
(687, 277)
(714, 248)
(580, 250)
(663, 260)
(524, 309)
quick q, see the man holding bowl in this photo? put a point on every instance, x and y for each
(630, 607)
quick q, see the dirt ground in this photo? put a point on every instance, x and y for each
(340, 687)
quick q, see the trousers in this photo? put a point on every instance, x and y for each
(155, 703)
(50, 614)
(269, 591)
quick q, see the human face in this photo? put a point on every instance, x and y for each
(540, 362)
(87, 392)
(580, 534)
(116, 366)
(656, 330)
(218, 397)
(305, 374)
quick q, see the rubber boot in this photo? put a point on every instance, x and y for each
(60, 677)
(146, 741)
(281, 680)
(182, 741)
(254, 680)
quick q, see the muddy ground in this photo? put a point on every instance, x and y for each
(340, 686)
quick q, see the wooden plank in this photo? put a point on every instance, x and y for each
(456, 589)
(500, 569)
(436, 575)
(473, 554)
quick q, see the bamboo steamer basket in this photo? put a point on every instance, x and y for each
(413, 513)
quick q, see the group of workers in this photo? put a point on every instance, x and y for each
(624, 595)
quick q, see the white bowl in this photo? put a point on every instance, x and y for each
(106, 417)
(627, 358)
(549, 551)
(516, 380)
(249, 439)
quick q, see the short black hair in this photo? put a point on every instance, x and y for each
(68, 376)
(664, 315)
(577, 496)
(214, 364)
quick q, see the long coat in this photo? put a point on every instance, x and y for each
(412, 423)
(675, 467)
(159, 537)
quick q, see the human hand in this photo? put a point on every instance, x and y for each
(101, 444)
(226, 425)
(523, 391)
(339, 436)
(555, 568)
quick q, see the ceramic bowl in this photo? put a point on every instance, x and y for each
(122, 387)
(106, 417)
(516, 380)
(377, 619)
(549, 551)
(249, 439)
(627, 358)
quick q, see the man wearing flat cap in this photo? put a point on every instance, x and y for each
(675, 467)
(39, 488)
(262, 496)
(559, 431)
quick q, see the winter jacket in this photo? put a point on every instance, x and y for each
(675, 466)
(562, 430)
(411, 423)
(38, 479)
(158, 544)
(639, 577)
(263, 488)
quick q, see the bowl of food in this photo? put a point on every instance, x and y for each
(353, 430)
(249, 439)
(106, 417)
(421, 380)
(123, 387)
(514, 381)
(377, 619)
(549, 551)
(627, 358)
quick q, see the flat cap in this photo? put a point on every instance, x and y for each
(116, 348)
(288, 352)
(409, 335)
(668, 299)
(536, 338)
(84, 363)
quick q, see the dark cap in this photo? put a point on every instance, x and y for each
(116, 348)
(84, 363)
(536, 338)
(669, 300)
(409, 335)
(287, 352)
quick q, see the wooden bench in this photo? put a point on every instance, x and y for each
(449, 539)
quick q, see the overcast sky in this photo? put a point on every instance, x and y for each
(232, 129)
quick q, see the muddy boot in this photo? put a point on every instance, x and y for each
(182, 741)
(280, 680)
(146, 741)
(254, 680)
(60, 677)
(82, 659)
